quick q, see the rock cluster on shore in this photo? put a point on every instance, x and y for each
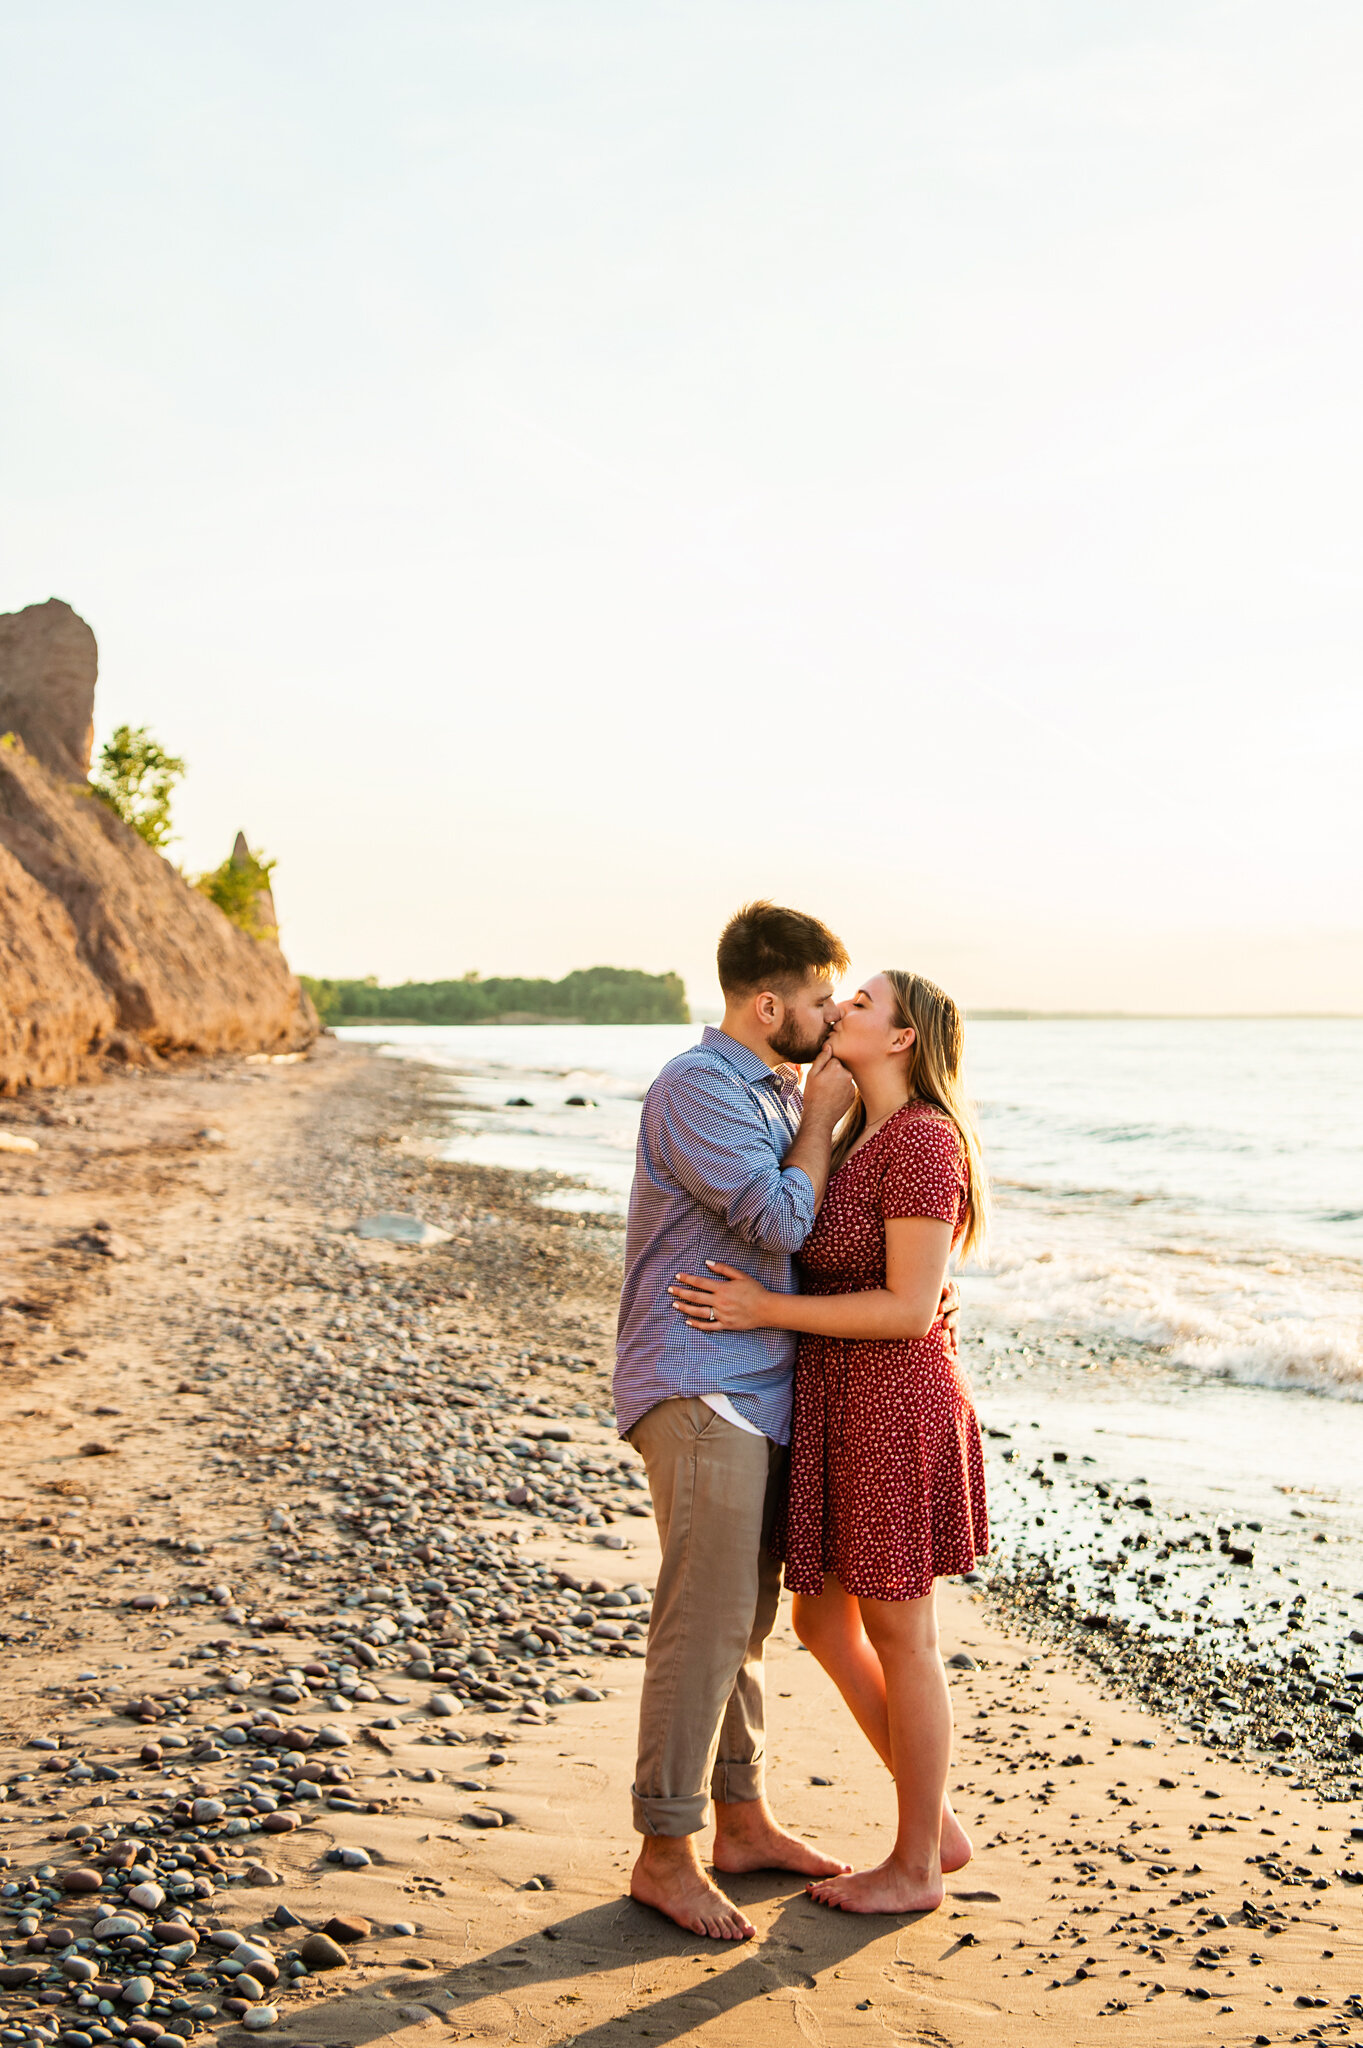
(1170, 1605)
(401, 1462)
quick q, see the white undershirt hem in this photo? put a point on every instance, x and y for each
(722, 1405)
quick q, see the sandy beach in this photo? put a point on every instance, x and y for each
(291, 1509)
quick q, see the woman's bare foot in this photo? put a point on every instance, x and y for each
(668, 1876)
(748, 1838)
(956, 1845)
(889, 1888)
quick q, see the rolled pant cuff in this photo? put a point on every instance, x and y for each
(670, 1816)
(735, 1783)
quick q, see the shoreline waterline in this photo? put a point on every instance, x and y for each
(1215, 1223)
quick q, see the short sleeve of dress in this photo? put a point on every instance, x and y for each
(926, 1172)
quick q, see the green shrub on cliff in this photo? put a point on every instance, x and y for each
(590, 995)
(137, 778)
(240, 887)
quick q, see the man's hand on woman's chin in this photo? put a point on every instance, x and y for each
(829, 1089)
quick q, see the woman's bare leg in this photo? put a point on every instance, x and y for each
(831, 1625)
(903, 1635)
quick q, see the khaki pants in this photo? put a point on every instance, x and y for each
(701, 1717)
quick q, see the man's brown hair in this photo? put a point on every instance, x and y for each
(766, 946)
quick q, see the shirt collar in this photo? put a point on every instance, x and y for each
(747, 1063)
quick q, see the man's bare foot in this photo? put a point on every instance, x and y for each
(748, 1838)
(668, 1877)
(956, 1847)
(889, 1888)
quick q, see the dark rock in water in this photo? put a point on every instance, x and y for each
(579, 1102)
(519, 1102)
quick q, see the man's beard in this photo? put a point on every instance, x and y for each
(792, 1045)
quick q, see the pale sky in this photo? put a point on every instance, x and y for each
(557, 470)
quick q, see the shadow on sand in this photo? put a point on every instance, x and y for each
(723, 1979)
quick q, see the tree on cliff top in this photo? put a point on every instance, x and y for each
(137, 779)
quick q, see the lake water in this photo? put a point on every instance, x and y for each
(1194, 1188)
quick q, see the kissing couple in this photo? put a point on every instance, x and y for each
(815, 1417)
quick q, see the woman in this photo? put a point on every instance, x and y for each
(886, 1467)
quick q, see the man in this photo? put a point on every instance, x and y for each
(730, 1166)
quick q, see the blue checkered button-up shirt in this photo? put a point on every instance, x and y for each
(709, 1184)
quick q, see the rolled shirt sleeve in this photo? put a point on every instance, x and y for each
(711, 1139)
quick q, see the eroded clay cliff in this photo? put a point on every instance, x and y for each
(54, 1015)
(104, 946)
(179, 977)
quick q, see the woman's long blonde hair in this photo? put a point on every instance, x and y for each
(934, 1075)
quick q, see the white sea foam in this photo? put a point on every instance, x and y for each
(1269, 1317)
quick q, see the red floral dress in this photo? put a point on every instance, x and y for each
(886, 1481)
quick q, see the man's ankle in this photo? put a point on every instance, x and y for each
(735, 1816)
(668, 1849)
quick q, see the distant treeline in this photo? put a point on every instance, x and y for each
(592, 995)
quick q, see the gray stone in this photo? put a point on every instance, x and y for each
(116, 1924)
(397, 1229)
(444, 1705)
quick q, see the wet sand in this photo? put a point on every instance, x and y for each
(1130, 1878)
